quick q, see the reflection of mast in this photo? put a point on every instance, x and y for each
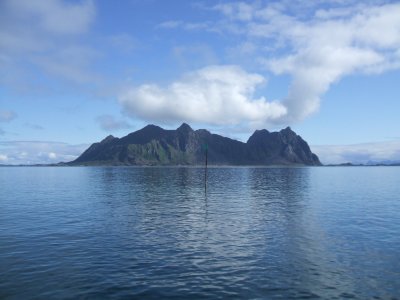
(205, 170)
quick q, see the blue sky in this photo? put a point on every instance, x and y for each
(72, 72)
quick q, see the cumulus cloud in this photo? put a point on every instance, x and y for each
(7, 115)
(316, 43)
(321, 50)
(358, 153)
(218, 95)
(38, 152)
(110, 123)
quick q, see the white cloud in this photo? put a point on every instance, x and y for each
(38, 152)
(358, 153)
(316, 42)
(322, 51)
(52, 155)
(46, 35)
(239, 10)
(7, 115)
(313, 71)
(218, 95)
(110, 123)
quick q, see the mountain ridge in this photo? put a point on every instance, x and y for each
(153, 145)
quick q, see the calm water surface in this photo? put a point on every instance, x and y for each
(258, 233)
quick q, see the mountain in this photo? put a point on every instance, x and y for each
(153, 145)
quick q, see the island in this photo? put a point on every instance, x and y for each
(153, 146)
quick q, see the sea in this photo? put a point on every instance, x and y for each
(175, 233)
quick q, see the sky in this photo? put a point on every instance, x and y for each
(75, 71)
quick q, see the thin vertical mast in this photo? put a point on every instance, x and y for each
(205, 170)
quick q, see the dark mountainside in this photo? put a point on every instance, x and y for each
(153, 145)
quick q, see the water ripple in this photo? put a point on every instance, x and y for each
(257, 233)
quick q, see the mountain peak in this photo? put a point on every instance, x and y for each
(261, 131)
(288, 132)
(287, 129)
(151, 126)
(151, 130)
(184, 127)
(107, 139)
(257, 135)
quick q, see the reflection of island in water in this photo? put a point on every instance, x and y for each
(254, 225)
(153, 232)
(153, 145)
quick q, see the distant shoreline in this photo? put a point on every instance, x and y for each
(202, 166)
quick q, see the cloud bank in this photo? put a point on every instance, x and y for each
(359, 153)
(217, 95)
(38, 152)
